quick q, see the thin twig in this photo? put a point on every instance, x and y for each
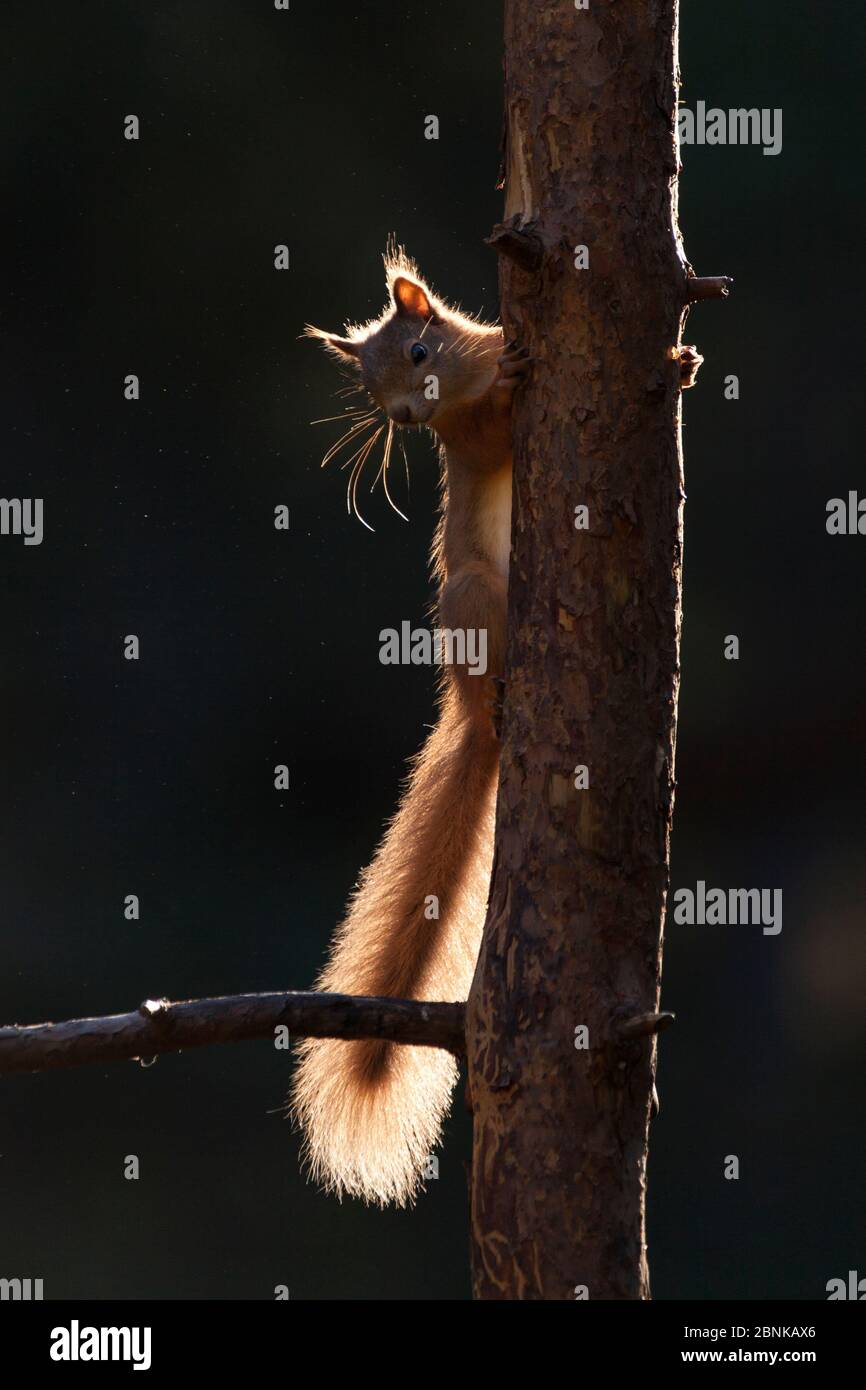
(159, 1026)
(645, 1025)
(708, 287)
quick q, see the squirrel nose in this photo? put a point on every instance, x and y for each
(401, 414)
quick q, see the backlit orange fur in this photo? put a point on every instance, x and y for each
(371, 1112)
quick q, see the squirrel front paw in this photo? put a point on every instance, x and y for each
(513, 367)
(690, 360)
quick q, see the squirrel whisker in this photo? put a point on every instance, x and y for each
(357, 428)
(383, 471)
(354, 478)
(326, 419)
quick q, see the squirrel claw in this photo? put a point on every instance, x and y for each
(514, 366)
(497, 700)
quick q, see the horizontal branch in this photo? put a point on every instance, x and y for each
(708, 287)
(159, 1026)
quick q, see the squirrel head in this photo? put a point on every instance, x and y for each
(420, 359)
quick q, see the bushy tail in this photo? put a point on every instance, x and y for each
(372, 1112)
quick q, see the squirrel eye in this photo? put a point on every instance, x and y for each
(418, 353)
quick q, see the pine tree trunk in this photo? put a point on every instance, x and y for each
(573, 936)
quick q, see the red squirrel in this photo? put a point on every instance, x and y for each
(371, 1112)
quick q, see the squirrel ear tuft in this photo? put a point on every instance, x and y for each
(411, 299)
(346, 348)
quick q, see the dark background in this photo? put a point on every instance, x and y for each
(155, 777)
